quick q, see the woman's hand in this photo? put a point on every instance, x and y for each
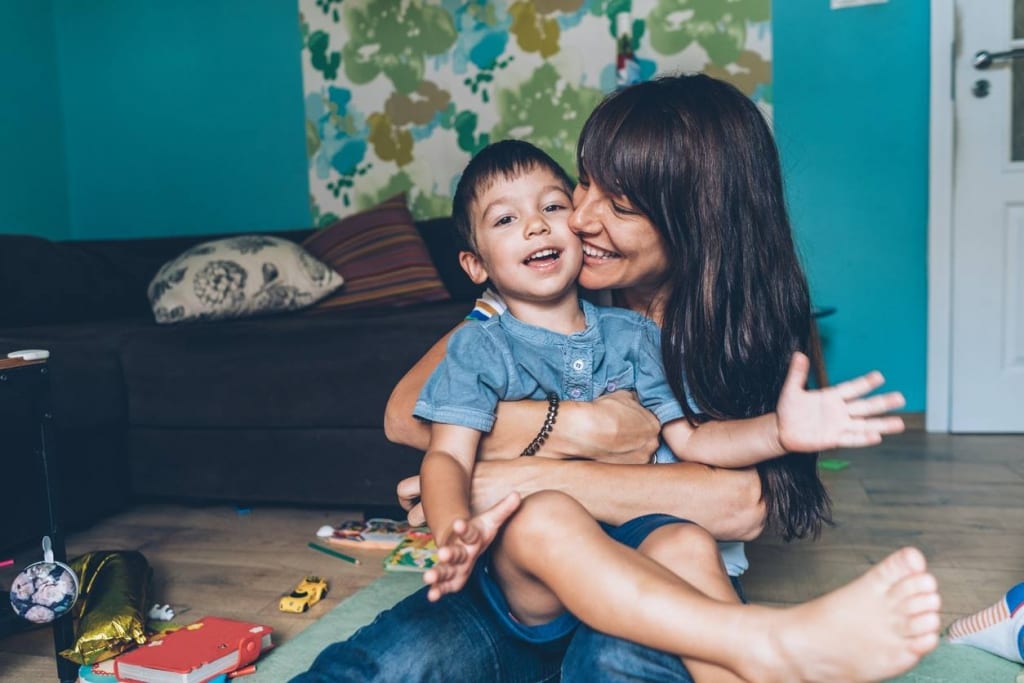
(613, 428)
(409, 498)
(837, 416)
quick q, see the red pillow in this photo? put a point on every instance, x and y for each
(382, 257)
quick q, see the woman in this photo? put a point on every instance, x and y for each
(681, 213)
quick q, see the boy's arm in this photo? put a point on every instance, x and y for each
(805, 421)
(446, 474)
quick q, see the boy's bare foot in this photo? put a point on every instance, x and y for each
(873, 628)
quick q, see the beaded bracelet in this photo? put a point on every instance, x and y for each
(545, 430)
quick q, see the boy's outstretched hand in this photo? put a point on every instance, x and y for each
(463, 544)
(837, 416)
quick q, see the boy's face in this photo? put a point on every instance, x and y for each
(524, 244)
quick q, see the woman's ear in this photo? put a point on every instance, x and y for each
(473, 266)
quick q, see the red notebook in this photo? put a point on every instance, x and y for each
(195, 653)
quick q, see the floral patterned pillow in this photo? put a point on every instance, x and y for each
(237, 277)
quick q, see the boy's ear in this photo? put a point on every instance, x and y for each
(473, 266)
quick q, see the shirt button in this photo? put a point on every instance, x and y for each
(612, 386)
(578, 364)
(575, 393)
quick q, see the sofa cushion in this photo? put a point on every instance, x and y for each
(382, 257)
(237, 277)
(51, 282)
(330, 370)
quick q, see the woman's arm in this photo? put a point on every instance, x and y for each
(726, 502)
(615, 427)
(399, 424)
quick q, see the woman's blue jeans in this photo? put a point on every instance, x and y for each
(459, 640)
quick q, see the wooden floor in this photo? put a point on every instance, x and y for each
(958, 498)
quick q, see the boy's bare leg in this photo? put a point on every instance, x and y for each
(688, 550)
(692, 554)
(886, 619)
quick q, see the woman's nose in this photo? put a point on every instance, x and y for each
(582, 220)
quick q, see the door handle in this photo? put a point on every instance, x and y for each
(983, 59)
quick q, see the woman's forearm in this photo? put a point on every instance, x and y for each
(725, 502)
(614, 428)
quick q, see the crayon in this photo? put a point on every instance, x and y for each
(333, 553)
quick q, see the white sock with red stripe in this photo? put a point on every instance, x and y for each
(998, 629)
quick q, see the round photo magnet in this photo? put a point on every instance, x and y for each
(44, 591)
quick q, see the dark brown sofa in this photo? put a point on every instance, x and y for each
(284, 409)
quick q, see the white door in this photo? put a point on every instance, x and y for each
(987, 337)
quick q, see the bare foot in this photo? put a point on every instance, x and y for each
(873, 628)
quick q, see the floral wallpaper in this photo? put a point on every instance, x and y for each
(399, 94)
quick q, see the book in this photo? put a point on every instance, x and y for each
(417, 552)
(195, 653)
(377, 532)
(100, 672)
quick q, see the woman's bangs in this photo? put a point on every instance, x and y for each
(612, 150)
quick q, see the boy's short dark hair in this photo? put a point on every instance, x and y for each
(505, 159)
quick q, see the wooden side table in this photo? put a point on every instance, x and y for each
(28, 383)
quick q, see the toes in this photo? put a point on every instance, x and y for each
(901, 563)
(922, 604)
(914, 585)
(924, 625)
(923, 644)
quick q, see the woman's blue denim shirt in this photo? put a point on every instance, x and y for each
(505, 359)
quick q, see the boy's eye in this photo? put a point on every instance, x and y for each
(504, 220)
(551, 208)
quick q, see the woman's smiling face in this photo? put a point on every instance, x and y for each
(622, 249)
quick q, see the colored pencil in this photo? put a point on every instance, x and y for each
(333, 553)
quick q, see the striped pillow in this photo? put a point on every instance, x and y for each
(381, 256)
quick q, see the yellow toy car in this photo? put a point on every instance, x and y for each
(310, 591)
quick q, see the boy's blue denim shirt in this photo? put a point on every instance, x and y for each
(505, 359)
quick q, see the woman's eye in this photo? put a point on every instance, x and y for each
(619, 208)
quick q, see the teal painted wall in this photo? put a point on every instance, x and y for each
(187, 118)
(33, 175)
(183, 117)
(851, 119)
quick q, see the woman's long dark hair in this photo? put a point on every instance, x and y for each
(696, 156)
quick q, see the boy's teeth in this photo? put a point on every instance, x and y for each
(542, 254)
